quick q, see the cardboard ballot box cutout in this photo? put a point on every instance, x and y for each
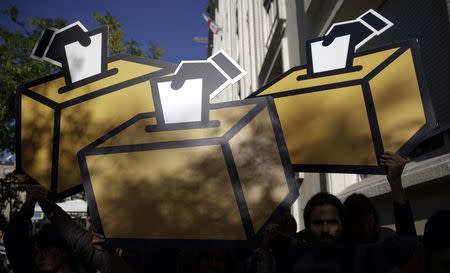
(56, 117)
(341, 114)
(344, 122)
(192, 172)
(220, 183)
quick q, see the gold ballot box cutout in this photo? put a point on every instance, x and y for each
(204, 184)
(172, 209)
(343, 122)
(54, 126)
(321, 128)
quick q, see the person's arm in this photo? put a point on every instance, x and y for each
(19, 249)
(404, 220)
(394, 165)
(79, 239)
(400, 248)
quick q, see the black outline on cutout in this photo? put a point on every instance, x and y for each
(371, 111)
(55, 150)
(18, 130)
(329, 73)
(89, 80)
(260, 105)
(23, 90)
(373, 121)
(238, 191)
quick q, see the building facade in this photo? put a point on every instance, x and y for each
(260, 35)
(267, 38)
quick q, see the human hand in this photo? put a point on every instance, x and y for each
(394, 164)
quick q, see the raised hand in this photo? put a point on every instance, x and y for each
(394, 164)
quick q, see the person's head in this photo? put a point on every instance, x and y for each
(287, 224)
(52, 252)
(361, 218)
(284, 228)
(436, 240)
(323, 218)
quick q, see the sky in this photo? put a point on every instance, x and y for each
(171, 24)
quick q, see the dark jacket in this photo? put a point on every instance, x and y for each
(313, 258)
(20, 250)
(389, 248)
(299, 254)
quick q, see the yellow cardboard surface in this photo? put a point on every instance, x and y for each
(397, 83)
(258, 164)
(188, 190)
(37, 153)
(315, 136)
(81, 123)
(330, 125)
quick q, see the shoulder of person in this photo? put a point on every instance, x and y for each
(302, 235)
(386, 230)
(385, 233)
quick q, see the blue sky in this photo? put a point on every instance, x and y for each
(169, 23)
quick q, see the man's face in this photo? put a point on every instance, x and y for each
(326, 224)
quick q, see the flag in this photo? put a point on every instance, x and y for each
(215, 28)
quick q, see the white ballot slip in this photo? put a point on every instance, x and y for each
(84, 62)
(182, 105)
(331, 57)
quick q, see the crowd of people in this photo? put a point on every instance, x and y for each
(338, 237)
